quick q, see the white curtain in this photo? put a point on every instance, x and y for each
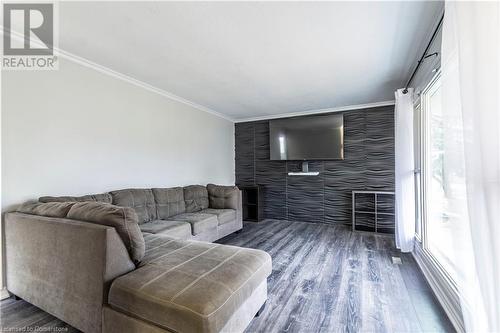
(471, 108)
(404, 171)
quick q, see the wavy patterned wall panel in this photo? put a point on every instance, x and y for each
(368, 165)
(305, 195)
(261, 141)
(380, 151)
(269, 175)
(244, 153)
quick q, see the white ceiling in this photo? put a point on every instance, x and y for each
(254, 59)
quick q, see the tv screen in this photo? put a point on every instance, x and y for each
(307, 138)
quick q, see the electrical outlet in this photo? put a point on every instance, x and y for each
(396, 261)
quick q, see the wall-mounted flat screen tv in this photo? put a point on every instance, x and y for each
(318, 137)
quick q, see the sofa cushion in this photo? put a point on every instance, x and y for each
(141, 200)
(169, 201)
(196, 198)
(200, 222)
(123, 219)
(159, 244)
(223, 215)
(222, 196)
(50, 209)
(174, 229)
(104, 197)
(191, 286)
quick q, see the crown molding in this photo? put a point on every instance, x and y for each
(108, 71)
(58, 52)
(318, 111)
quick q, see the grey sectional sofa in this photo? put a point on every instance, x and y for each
(129, 260)
(192, 212)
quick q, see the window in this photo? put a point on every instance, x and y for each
(417, 152)
(443, 204)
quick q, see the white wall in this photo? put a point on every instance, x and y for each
(77, 131)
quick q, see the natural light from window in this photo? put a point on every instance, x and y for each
(444, 179)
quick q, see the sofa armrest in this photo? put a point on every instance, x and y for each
(63, 266)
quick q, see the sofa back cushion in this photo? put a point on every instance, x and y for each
(169, 201)
(221, 197)
(141, 200)
(196, 198)
(123, 219)
(103, 197)
(50, 209)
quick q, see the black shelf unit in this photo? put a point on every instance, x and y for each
(373, 211)
(252, 207)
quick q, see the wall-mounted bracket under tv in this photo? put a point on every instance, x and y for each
(318, 137)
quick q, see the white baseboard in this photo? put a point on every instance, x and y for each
(446, 293)
(4, 293)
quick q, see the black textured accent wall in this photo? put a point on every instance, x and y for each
(368, 165)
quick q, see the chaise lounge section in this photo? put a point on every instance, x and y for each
(90, 262)
(192, 287)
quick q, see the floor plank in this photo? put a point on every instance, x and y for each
(324, 279)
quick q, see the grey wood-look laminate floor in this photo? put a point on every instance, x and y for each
(325, 279)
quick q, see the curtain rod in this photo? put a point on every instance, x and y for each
(424, 55)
